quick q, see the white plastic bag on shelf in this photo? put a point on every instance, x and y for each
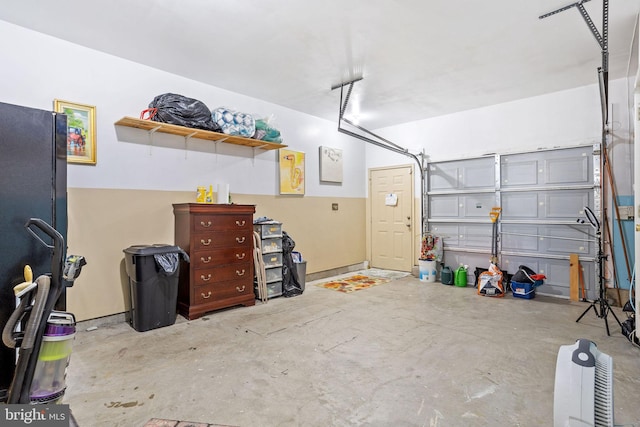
(233, 122)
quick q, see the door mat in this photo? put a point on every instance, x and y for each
(386, 274)
(161, 422)
(353, 283)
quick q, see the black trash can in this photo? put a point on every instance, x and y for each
(153, 272)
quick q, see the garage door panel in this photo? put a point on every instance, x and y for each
(568, 166)
(469, 206)
(566, 204)
(474, 174)
(566, 239)
(477, 205)
(448, 232)
(559, 205)
(477, 236)
(570, 170)
(519, 205)
(444, 206)
(462, 174)
(546, 239)
(472, 236)
(443, 176)
(519, 173)
(519, 238)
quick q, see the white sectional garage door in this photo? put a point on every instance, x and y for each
(542, 194)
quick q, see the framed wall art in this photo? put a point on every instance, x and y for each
(81, 131)
(330, 164)
(291, 164)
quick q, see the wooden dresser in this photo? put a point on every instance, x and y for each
(219, 241)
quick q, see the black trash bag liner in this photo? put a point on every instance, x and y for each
(290, 281)
(169, 262)
(179, 110)
(523, 275)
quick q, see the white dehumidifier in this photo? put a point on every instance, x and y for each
(583, 394)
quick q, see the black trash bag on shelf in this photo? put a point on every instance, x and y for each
(290, 281)
(179, 110)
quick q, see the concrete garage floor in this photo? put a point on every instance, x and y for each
(405, 353)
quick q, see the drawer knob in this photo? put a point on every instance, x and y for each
(205, 260)
(240, 256)
(205, 224)
(207, 243)
(241, 223)
(240, 239)
(238, 289)
(208, 295)
(240, 273)
(205, 279)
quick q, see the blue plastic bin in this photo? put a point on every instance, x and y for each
(523, 290)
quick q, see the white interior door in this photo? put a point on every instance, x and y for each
(391, 206)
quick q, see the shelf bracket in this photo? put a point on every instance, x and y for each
(186, 142)
(150, 133)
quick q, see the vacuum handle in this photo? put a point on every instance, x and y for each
(58, 240)
(58, 243)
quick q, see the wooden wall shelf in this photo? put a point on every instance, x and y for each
(151, 126)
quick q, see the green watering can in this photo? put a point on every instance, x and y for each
(460, 276)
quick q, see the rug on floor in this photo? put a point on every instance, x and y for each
(353, 283)
(161, 422)
(387, 274)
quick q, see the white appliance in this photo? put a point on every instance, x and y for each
(583, 394)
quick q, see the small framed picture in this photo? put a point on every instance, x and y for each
(292, 176)
(81, 131)
(330, 164)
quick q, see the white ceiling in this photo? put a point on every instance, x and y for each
(419, 58)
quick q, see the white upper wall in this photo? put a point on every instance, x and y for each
(38, 69)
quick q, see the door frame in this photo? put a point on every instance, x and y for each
(416, 218)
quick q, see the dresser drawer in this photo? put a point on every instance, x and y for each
(205, 222)
(220, 291)
(221, 256)
(222, 273)
(221, 239)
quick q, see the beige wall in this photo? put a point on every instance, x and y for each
(103, 222)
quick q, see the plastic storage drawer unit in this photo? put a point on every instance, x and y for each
(268, 229)
(271, 245)
(272, 260)
(273, 274)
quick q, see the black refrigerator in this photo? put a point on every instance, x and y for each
(33, 184)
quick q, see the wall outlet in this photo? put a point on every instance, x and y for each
(334, 206)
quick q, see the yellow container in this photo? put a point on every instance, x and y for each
(201, 195)
(209, 196)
